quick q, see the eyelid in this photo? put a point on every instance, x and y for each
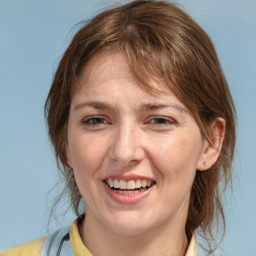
(158, 122)
(85, 121)
(168, 119)
(167, 123)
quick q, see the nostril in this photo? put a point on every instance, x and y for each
(126, 163)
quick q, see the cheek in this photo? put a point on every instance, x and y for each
(176, 158)
(86, 153)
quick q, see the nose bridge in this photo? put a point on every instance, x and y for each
(126, 144)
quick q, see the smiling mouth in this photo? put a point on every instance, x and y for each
(130, 186)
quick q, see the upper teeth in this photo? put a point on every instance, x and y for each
(130, 184)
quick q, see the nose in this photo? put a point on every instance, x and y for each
(126, 148)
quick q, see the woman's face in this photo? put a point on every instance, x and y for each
(134, 155)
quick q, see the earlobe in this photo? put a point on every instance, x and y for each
(212, 148)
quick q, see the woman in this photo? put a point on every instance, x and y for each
(143, 126)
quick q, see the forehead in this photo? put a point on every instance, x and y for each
(110, 65)
(105, 66)
(106, 80)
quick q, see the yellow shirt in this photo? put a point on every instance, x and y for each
(34, 248)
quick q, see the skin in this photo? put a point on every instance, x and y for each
(113, 131)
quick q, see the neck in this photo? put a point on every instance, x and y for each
(167, 240)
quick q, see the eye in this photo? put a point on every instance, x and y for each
(95, 122)
(161, 122)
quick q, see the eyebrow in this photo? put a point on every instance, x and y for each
(157, 106)
(142, 107)
(94, 104)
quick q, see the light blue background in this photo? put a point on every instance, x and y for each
(33, 36)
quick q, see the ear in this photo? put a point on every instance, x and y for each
(68, 157)
(211, 151)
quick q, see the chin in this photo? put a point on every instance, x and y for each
(126, 230)
(129, 225)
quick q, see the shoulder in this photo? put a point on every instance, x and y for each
(32, 248)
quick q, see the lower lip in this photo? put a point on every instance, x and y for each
(127, 199)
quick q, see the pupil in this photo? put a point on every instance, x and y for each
(160, 121)
(97, 120)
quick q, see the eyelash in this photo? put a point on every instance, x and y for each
(98, 121)
(90, 121)
(164, 121)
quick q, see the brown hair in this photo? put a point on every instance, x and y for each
(159, 41)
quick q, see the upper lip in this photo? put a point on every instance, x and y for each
(127, 177)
